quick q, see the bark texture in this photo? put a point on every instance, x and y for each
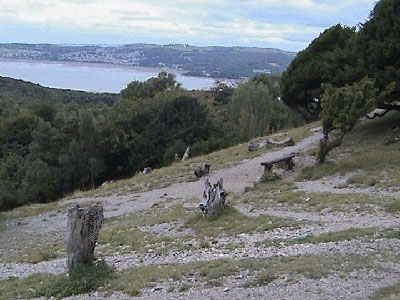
(83, 228)
(213, 198)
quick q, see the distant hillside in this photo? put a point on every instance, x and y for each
(22, 91)
(217, 62)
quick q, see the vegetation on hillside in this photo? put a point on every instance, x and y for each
(346, 73)
(51, 148)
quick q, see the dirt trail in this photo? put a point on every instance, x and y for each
(50, 226)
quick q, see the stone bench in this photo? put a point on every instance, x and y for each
(286, 159)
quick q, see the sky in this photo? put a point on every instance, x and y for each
(289, 25)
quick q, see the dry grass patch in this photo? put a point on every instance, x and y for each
(231, 222)
(388, 292)
(123, 234)
(216, 272)
(365, 149)
(313, 267)
(41, 253)
(285, 195)
(34, 210)
(335, 236)
(81, 280)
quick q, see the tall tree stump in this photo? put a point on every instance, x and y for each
(83, 228)
(186, 154)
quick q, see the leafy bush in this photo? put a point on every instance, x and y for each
(178, 148)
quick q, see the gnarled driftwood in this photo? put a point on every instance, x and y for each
(213, 198)
(83, 228)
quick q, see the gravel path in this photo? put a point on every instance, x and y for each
(361, 247)
(50, 226)
(361, 284)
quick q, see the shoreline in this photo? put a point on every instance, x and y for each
(85, 76)
(100, 65)
(176, 72)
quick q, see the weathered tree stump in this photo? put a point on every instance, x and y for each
(83, 228)
(147, 170)
(186, 154)
(202, 170)
(213, 198)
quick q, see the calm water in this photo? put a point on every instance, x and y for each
(89, 77)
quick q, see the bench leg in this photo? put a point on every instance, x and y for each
(267, 168)
(289, 165)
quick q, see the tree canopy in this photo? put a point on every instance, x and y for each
(51, 148)
(148, 89)
(378, 48)
(328, 59)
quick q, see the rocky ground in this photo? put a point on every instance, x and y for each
(344, 235)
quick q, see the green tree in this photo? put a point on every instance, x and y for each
(152, 86)
(16, 134)
(89, 136)
(328, 59)
(40, 183)
(12, 173)
(342, 108)
(256, 110)
(378, 47)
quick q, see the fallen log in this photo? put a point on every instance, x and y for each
(83, 228)
(269, 141)
(213, 198)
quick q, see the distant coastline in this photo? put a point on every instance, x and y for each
(98, 65)
(205, 62)
(92, 77)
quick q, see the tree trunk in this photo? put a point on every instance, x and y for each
(83, 228)
(326, 145)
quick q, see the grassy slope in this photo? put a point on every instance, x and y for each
(363, 150)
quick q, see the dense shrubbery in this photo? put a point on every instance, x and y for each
(50, 149)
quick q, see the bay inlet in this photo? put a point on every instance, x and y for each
(90, 77)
